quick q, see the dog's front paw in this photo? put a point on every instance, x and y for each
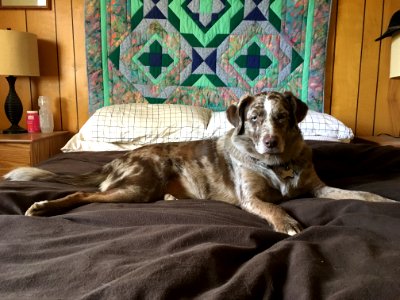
(37, 209)
(169, 197)
(288, 225)
(370, 197)
(377, 198)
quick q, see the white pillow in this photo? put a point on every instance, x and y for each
(315, 126)
(324, 127)
(144, 123)
(218, 124)
(78, 143)
(129, 126)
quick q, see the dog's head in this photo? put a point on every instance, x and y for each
(269, 120)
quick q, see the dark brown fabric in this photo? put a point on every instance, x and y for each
(206, 249)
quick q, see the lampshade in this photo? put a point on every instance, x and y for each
(395, 56)
(18, 53)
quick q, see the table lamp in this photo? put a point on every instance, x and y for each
(395, 55)
(18, 57)
(393, 31)
(394, 86)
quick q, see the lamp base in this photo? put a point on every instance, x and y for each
(14, 129)
(13, 108)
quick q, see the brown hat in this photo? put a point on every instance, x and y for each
(394, 26)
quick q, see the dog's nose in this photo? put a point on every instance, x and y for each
(271, 142)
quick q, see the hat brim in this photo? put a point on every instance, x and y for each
(388, 32)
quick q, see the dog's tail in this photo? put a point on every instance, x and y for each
(30, 173)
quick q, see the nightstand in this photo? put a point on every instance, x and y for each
(383, 140)
(28, 149)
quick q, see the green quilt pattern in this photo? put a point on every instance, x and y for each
(204, 52)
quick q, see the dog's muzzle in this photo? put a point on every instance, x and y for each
(269, 144)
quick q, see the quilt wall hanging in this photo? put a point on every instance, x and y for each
(204, 52)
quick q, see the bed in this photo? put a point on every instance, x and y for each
(197, 249)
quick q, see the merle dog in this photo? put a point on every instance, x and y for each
(259, 163)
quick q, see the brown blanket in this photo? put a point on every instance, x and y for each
(206, 249)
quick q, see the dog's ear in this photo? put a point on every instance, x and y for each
(299, 108)
(233, 115)
(236, 114)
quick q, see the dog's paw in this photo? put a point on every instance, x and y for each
(169, 197)
(288, 226)
(370, 197)
(377, 198)
(37, 209)
(340, 194)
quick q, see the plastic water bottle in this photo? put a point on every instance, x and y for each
(45, 115)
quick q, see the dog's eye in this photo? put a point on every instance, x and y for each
(281, 117)
(254, 118)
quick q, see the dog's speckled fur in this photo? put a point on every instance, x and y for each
(259, 163)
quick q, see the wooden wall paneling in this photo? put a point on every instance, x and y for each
(349, 28)
(357, 86)
(78, 8)
(14, 19)
(369, 68)
(330, 55)
(66, 62)
(385, 120)
(42, 23)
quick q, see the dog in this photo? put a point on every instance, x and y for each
(262, 161)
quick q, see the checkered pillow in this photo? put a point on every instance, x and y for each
(142, 123)
(128, 126)
(315, 126)
(324, 127)
(218, 124)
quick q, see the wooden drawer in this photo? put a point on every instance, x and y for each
(15, 153)
(13, 156)
(29, 149)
